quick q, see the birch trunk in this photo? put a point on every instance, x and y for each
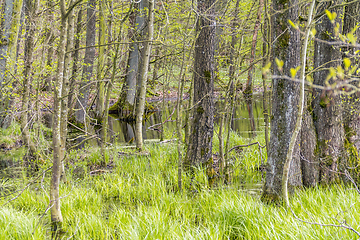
(140, 105)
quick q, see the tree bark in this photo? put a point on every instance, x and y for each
(100, 100)
(8, 47)
(285, 99)
(144, 66)
(126, 104)
(75, 69)
(200, 142)
(56, 217)
(351, 111)
(66, 88)
(29, 47)
(327, 106)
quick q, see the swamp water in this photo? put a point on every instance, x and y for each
(122, 132)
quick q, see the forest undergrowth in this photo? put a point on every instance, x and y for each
(137, 197)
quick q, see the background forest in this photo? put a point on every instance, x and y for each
(157, 119)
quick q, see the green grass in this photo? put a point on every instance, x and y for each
(139, 199)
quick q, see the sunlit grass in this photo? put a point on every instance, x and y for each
(138, 198)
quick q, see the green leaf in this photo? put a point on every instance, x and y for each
(295, 26)
(352, 38)
(347, 63)
(309, 79)
(279, 63)
(313, 32)
(329, 15)
(293, 71)
(266, 68)
(340, 72)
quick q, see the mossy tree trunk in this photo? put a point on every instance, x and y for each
(327, 105)
(199, 150)
(125, 106)
(286, 48)
(351, 113)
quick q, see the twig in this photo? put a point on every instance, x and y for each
(247, 145)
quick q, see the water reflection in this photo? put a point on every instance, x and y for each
(124, 132)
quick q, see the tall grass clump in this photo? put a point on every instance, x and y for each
(137, 197)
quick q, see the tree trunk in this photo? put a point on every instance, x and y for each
(267, 56)
(351, 103)
(50, 40)
(29, 47)
(200, 142)
(66, 88)
(126, 104)
(56, 217)
(327, 107)
(285, 99)
(100, 100)
(309, 164)
(8, 12)
(75, 68)
(144, 66)
(8, 47)
(87, 74)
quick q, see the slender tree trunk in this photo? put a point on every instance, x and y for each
(50, 41)
(200, 142)
(75, 68)
(327, 107)
(29, 46)
(100, 100)
(144, 66)
(56, 217)
(267, 59)
(66, 88)
(285, 99)
(87, 74)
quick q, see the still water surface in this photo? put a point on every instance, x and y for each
(123, 132)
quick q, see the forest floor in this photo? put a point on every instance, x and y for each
(137, 197)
